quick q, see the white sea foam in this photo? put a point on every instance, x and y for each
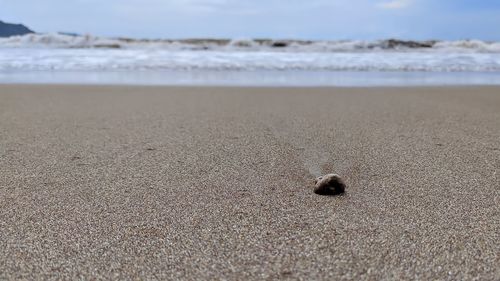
(146, 59)
(60, 52)
(57, 40)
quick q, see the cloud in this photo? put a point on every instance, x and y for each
(311, 19)
(395, 4)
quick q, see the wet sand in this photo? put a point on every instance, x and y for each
(216, 183)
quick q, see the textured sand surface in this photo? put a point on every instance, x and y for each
(205, 183)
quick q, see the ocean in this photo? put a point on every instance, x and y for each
(59, 58)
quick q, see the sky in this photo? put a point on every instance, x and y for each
(298, 19)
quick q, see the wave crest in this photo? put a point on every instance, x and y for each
(58, 40)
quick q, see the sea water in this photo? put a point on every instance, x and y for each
(56, 58)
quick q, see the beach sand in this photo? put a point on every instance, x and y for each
(120, 182)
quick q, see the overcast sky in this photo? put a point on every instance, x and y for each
(307, 19)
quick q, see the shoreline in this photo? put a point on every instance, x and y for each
(258, 78)
(249, 87)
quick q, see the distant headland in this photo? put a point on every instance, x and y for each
(9, 29)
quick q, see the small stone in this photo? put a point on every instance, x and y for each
(330, 184)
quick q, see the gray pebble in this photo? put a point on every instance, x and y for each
(330, 184)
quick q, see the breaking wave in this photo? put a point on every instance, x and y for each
(63, 52)
(58, 40)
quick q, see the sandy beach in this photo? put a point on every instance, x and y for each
(197, 183)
